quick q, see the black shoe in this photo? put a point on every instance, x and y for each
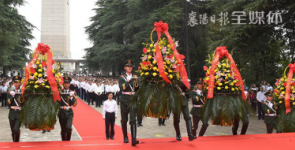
(159, 124)
(112, 138)
(134, 142)
(107, 138)
(44, 131)
(178, 137)
(126, 140)
(163, 124)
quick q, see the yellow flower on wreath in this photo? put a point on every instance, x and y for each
(154, 74)
(147, 73)
(36, 86)
(40, 75)
(170, 76)
(47, 86)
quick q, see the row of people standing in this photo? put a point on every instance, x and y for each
(6, 85)
(94, 90)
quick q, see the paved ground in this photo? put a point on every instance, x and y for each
(26, 134)
(150, 129)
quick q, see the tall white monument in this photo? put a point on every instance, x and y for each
(55, 27)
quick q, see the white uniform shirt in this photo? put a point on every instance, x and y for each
(4, 89)
(90, 87)
(269, 88)
(129, 76)
(117, 87)
(260, 96)
(110, 106)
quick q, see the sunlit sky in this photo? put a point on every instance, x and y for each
(80, 13)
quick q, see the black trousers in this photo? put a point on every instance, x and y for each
(110, 122)
(83, 94)
(65, 120)
(161, 121)
(118, 98)
(125, 110)
(14, 120)
(96, 99)
(196, 120)
(186, 115)
(269, 128)
(260, 111)
(4, 99)
(90, 98)
(253, 104)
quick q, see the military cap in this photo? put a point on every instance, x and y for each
(198, 81)
(269, 93)
(128, 62)
(67, 79)
(16, 79)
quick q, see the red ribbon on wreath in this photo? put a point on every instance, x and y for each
(43, 49)
(161, 27)
(288, 87)
(221, 52)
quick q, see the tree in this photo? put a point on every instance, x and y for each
(15, 33)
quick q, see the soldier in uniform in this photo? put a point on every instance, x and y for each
(66, 113)
(270, 112)
(15, 102)
(187, 118)
(128, 84)
(198, 100)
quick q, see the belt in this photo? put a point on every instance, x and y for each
(15, 108)
(128, 93)
(199, 106)
(65, 107)
(270, 114)
(110, 112)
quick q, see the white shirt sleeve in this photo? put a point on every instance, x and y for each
(104, 110)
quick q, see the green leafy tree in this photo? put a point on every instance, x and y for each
(15, 33)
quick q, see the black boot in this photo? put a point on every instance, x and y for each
(177, 130)
(124, 130)
(133, 135)
(189, 130)
(63, 136)
(69, 135)
(244, 128)
(194, 132)
(16, 136)
(203, 129)
(235, 127)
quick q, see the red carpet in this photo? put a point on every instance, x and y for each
(90, 126)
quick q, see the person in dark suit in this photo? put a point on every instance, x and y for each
(270, 112)
(15, 102)
(198, 100)
(128, 84)
(66, 113)
(186, 116)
